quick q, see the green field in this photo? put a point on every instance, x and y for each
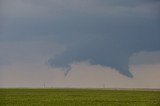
(78, 97)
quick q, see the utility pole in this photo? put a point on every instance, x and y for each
(104, 85)
(44, 85)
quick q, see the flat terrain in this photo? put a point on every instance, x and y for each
(78, 97)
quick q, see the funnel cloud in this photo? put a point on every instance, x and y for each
(113, 50)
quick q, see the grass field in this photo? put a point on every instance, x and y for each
(78, 97)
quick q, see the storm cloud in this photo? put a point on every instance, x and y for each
(111, 49)
(103, 32)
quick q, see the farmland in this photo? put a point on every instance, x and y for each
(78, 97)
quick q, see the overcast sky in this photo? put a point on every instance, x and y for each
(84, 42)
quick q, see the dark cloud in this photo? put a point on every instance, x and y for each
(104, 32)
(110, 44)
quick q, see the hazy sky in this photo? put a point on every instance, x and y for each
(87, 40)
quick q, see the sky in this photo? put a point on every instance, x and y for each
(80, 43)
